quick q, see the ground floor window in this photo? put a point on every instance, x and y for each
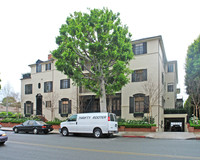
(139, 103)
(28, 108)
(116, 106)
(64, 107)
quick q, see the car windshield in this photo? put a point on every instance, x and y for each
(41, 122)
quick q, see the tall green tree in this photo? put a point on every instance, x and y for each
(192, 69)
(94, 50)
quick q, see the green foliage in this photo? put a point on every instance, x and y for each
(56, 121)
(192, 69)
(136, 123)
(10, 115)
(174, 111)
(195, 124)
(139, 125)
(16, 118)
(146, 119)
(189, 106)
(193, 61)
(98, 43)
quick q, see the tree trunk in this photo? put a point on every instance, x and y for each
(103, 107)
(196, 111)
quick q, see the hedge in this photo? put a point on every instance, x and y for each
(139, 125)
(17, 120)
(10, 115)
(174, 111)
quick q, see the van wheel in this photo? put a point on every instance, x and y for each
(97, 133)
(65, 132)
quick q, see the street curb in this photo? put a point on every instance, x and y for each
(128, 136)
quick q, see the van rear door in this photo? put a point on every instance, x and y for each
(112, 124)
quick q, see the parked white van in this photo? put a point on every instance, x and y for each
(95, 123)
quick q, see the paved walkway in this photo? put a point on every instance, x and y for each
(153, 135)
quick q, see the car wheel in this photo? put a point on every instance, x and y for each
(97, 133)
(65, 132)
(35, 131)
(16, 130)
(2, 143)
(46, 132)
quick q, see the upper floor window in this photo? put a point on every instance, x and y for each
(38, 67)
(170, 87)
(139, 75)
(64, 83)
(170, 68)
(48, 66)
(28, 89)
(140, 48)
(48, 86)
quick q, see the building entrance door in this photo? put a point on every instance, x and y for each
(38, 104)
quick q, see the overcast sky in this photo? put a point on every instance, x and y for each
(28, 29)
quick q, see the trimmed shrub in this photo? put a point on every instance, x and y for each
(174, 111)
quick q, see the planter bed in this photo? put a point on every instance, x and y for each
(123, 129)
(9, 124)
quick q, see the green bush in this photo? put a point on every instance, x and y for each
(136, 123)
(195, 124)
(13, 120)
(10, 115)
(139, 125)
(56, 121)
(174, 111)
(19, 120)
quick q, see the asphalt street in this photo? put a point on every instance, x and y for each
(56, 147)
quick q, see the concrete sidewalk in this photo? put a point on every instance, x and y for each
(153, 135)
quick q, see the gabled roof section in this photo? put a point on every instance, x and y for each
(39, 61)
(153, 38)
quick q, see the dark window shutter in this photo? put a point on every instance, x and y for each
(24, 108)
(146, 104)
(68, 83)
(144, 47)
(45, 86)
(61, 84)
(145, 74)
(60, 104)
(70, 107)
(131, 104)
(133, 48)
(133, 77)
(31, 108)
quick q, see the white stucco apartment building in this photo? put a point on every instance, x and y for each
(48, 92)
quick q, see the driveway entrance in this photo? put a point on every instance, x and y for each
(174, 125)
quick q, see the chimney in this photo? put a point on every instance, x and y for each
(49, 56)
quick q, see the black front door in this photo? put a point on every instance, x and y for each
(38, 104)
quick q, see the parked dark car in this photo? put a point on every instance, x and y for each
(33, 126)
(3, 137)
